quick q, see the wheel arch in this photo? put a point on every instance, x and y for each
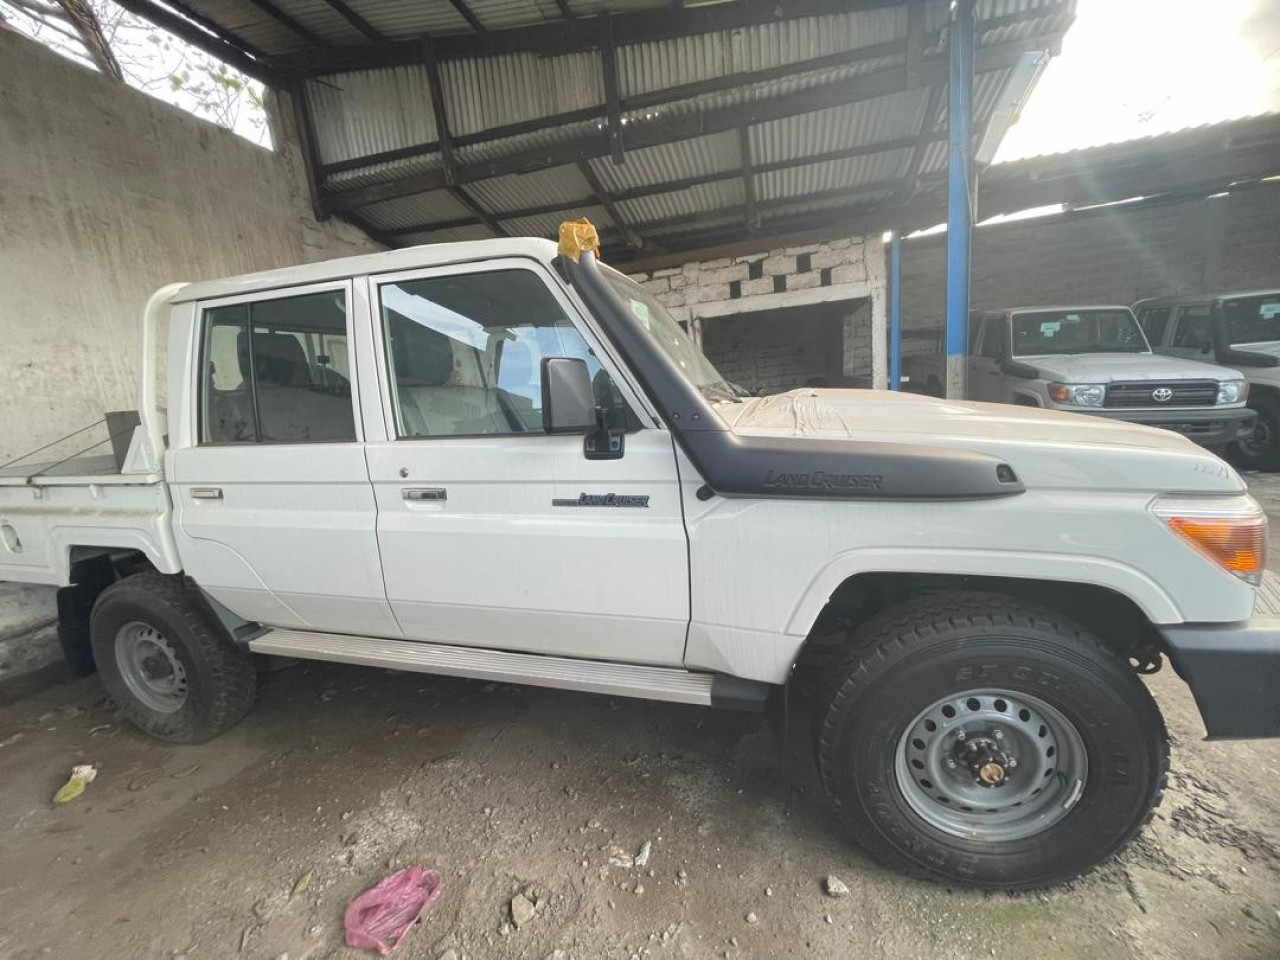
(1117, 618)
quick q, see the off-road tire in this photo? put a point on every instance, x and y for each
(220, 676)
(1266, 459)
(906, 658)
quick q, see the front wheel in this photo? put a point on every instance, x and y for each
(1260, 450)
(979, 739)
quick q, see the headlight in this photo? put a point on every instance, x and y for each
(1078, 394)
(1233, 391)
(1232, 533)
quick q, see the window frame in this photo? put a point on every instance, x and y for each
(637, 412)
(202, 307)
(1180, 315)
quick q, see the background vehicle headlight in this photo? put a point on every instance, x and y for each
(1078, 394)
(1233, 391)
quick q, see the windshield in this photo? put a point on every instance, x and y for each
(667, 333)
(1253, 319)
(1077, 331)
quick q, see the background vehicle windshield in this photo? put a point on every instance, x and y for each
(1077, 331)
(1253, 319)
(667, 333)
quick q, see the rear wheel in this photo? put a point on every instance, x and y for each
(168, 665)
(975, 738)
(1260, 450)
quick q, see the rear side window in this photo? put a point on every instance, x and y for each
(1195, 327)
(276, 371)
(1253, 319)
(1153, 322)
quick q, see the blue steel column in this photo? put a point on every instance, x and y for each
(895, 312)
(959, 193)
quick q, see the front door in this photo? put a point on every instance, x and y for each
(492, 532)
(273, 507)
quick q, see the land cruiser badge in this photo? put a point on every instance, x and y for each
(604, 500)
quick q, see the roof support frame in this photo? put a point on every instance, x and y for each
(751, 214)
(357, 21)
(439, 112)
(292, 23)
(668, 130)
(601, 195)
(612, 98)
(469, 15)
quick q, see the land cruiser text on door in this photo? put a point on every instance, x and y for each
(495, 460)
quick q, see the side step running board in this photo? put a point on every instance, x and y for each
(591, 676)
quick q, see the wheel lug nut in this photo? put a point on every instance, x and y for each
(960, 735)
(951, 762)
(999, 734)
(1012, 763)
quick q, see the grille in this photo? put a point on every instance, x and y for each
(1186, 393)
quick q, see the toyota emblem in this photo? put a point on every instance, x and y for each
(1161, 394)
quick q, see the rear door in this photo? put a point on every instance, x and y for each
(274, 511)
(493, 533)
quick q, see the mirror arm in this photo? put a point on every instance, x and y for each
(604, 443)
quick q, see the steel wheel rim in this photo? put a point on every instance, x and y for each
(1259, 438)
(150, 667)
(953, 765)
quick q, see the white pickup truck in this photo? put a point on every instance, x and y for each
(496, 460)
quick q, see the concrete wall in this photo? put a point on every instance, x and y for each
(1113, 255)
(106, 194)
(849, 271)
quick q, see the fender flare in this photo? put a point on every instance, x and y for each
(1155, 603)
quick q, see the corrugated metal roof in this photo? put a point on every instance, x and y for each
(421, 208)
(703, 198)
(645, 67)
(670, 161)
(853, 125)
(855, 198)
(382, 172)
(358, 114)
(486, 92)
(404, 20)
(548, 224)
(851, 172)
(535, 189)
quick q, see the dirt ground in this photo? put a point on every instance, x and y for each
(252, 845)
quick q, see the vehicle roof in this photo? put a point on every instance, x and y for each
(1060, 306)
(390, 261)
(1205, 297)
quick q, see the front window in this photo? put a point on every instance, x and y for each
(464, 354)
(662, 328)
(1077, 331)
(1253, 319)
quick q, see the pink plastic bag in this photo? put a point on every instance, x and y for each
(379, 918)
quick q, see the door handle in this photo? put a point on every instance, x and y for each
(424, 493)
(206, 493)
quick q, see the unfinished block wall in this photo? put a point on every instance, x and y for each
(848, 271)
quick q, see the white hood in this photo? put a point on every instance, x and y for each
(1110, 367)
(1045, 447)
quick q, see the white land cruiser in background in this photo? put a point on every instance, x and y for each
(489, 460)
(1241, 330)
(1095, 360)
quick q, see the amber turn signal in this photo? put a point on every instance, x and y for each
(1237, 544)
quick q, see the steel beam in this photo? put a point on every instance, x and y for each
(895, 311)
(601, 195)
(203, 37)
(357, 21)
(469, 15)
(959, 194)
(441, 115)
(292, 23)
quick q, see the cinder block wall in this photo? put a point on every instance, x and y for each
(846, 270)
(105, 195)
(1113, 255)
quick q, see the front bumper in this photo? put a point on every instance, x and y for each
(1233, 670)
(1207, 426)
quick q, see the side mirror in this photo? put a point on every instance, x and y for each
(568, 403)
